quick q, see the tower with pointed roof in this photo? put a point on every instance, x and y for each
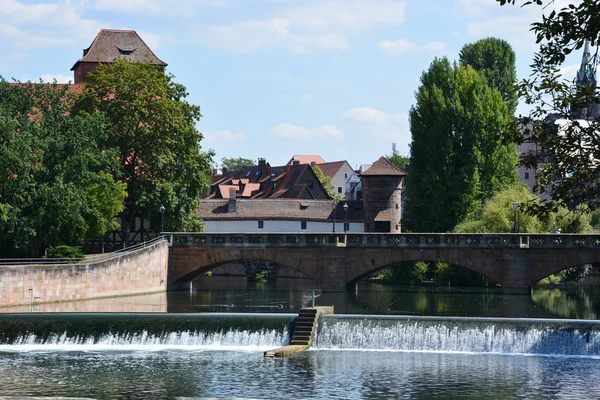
(110, 45)
(382, 197)
(586, 77)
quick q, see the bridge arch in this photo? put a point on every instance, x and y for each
(398, 265)
(515, 261)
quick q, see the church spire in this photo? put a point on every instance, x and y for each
(587, 71)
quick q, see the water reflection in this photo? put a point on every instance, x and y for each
(288, 295)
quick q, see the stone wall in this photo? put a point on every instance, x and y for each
(140, 271)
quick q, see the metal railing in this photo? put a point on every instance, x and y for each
(386, 240)
(91, 259)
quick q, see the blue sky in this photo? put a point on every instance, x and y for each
(276, 78)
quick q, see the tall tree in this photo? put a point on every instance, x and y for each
(495, 59)
(458, 155)
(236, 164)
(56, 185)
(567, 164)
(153, 128)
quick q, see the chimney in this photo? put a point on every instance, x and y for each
(313, 163)
(232, 206)
(215, 172)
(262, 163)
(296, 162)
(224, 170)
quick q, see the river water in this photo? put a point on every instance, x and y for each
(382, 342)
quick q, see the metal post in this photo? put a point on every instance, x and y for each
(346, 218)
(334, 206)
(162, 218)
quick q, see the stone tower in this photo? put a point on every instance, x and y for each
(110, 45)
(382, 186)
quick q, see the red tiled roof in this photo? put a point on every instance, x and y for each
(111, 44)
(384, 167)
(306, 159)
(249, 188)
(282, 209)
(224, 189)
(265, 181)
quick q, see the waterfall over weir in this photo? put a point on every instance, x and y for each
(102, 332)
(259, 332)
(461, 335)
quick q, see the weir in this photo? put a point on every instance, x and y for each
(261, 332)
(459, 335)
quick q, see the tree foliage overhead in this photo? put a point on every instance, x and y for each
(495, 59)
(56, 183)
(459, 150)
(153, 129)
(236, 164)
(567, 164)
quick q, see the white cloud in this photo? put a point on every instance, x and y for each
(373, 123)
(187, 8)
(60, 78)
(307, 97)
(223, 138)
(367, 114)
(25, 25)
(290, 131)
(569, 72)
(317, 26)
(402, 46)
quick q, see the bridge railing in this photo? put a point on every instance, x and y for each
(384, 240)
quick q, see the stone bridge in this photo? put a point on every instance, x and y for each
(338, 261)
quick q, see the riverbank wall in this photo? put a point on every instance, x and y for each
(139, 270)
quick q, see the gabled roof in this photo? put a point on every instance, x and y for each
(265, 181)
(383, 167)
(111, 44)
(331, 168)
(306, 159)
(280, 209)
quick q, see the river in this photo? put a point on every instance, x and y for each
(382, 342)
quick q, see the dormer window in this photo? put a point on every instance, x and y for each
(125, 51)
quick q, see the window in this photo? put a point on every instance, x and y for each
(339, 189)
(303, 225)
(345, 176)
(526, 175)
(261, 224)
(396, 209)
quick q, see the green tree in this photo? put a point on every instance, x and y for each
(571, 176)
(499, 214)
(56, 185)
(326, 182)
(399, 161)
(236, 164)
(495, 59)
(459, 150)
(153, 129)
